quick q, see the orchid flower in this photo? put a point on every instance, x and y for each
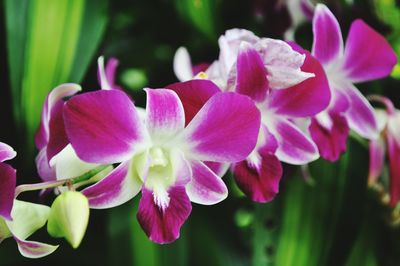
(366, 56)
(183, 67)
(388, 142)
(159, 155)
(7, 180)
(58, 161)
(27, 218)
(279, 138)
(19, 219)
(299, 11)
(57, 158)
(60, 167)
(106, 75)
(282, 64)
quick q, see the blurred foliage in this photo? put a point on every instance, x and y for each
(49, 43)
(324, 217)
(336, 221)
(389, 12)
(201, 13)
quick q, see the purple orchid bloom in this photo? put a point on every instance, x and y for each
(366, 56)
(280, 139)
(183, 68)
(7, 181)
(57, 160)
(106, 75)
(160, 156)
(51, 138)
(19, 219)
(282, 64)
(27, 218)
(388, 142)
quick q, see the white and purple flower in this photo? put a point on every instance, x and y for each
(366, 56)
(286, 83)
(19, 219)
(8, 180)
(160, 156)
(387, 143)
(57, 160)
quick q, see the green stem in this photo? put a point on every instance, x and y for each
(57, 183)
(89, 174)
(39, 186)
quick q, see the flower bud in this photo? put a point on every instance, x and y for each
(69, 217)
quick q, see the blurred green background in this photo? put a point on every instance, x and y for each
(334, 220)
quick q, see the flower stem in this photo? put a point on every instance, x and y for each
(57, 183)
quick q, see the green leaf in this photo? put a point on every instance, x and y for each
(265, 233)
(321, 222)
(200, 13)
(49, 43)
(69, 217)
(363, 251)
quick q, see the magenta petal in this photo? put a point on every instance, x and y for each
(376, 159)
(251, 76)
(331, 141)
(201, 67)
(7, 189)
(328, 42)
(307, 8)
(115, 189)
(58, 139)
(33, 249)
(54, 98)
(394, 162)
(163, 226)
(111, 68)
(106, 76)
(6, 152)
(377, 58)
(307, 98)
(205, 187)
(259, 183)
(45, 171)
(219, 169)
(103, 126)
(360, 115)
(294, 147)
(194, 94)
(225, 129)
(164, 113)
(340, 102)
(270, 144)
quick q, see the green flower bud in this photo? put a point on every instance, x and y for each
(69, 217)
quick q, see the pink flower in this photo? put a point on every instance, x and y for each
(387, 143)
(285, 83)
(366, 56)
(159, 155)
